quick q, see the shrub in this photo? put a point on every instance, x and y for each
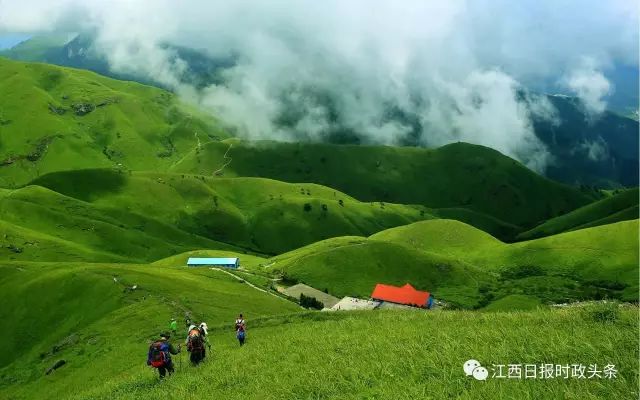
(307, 207)
(522, 271)
(310, 302)
(604, 312)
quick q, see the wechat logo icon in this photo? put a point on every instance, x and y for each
(473, 368)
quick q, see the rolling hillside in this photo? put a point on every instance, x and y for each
(469, 268)
(256, 214)
(54, 119)
(42, 225)
(454, 176)
(108, 186)
(102, 331)
(619, 207)
(600, 152)
(88, 312)
(77, 120)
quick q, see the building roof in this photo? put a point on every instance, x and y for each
(212, 261)
(406, 294)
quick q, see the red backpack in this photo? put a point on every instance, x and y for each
(158, 354)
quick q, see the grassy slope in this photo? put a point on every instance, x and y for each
(392, 354)
(132, 126)
(97, 325)
(514, 302)
(619, 207)
(454, 176)
(469, 268)
(254, 213)
(42, 225)
(602, 261)
(604, 246)
(141, 128)
(352, 267)
(36, 48)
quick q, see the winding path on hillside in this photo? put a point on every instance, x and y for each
(248, 283)
(228, 161)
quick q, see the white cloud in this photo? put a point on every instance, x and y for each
(590, 86)
(442, 71)
(595, 150)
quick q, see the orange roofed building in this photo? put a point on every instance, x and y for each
(406, 295)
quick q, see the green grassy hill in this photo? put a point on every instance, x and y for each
(107, 187)
(468, 268)
(76, 120)
(567, 137)
(54, 118)
(42, 225)
(36, 48)
(454, 176)
(618, 207)
(590, 263)
(252, 213)
(352, 266)
(102, 331)
(79, 313)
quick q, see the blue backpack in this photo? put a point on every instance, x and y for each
(158, 354)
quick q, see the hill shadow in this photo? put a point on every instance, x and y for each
(85, 184)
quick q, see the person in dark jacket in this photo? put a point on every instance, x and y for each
(160, 353)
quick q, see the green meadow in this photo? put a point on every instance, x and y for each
(101, 330)
(107, 187)
(469, 268)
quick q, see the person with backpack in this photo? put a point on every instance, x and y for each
(195, 344)
(159, 355)
(241, 329)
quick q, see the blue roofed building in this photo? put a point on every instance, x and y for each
(231, 262)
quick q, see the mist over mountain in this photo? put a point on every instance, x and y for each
(423, 74)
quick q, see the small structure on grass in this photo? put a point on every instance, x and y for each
(296, 290)
(230, 262)
(406, 295)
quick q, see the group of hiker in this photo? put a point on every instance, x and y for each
(196, 342)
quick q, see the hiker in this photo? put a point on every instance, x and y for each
(204, 329)
(195, 344)
(241, 329)
(160, 355)
(173, 325)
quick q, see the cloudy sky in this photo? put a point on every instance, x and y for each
(444, 71)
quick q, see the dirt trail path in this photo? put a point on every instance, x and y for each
(228, 161)
(248, 283)
(198, 145)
